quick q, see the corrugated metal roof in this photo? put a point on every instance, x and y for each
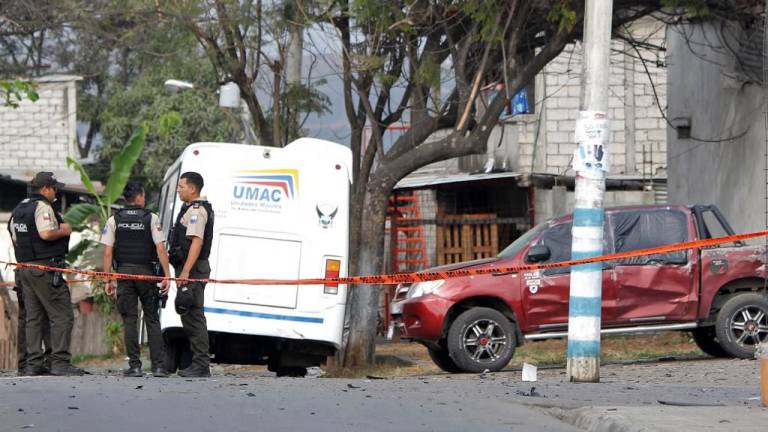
(422, 181)
(70, 178)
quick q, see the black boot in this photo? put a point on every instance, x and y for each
(195, 372)
(134, 372)
(67, 370)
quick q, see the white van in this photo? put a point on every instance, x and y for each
(280, 213)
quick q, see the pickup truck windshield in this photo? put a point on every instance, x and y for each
(521, 241)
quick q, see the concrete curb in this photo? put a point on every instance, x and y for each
(658, 418)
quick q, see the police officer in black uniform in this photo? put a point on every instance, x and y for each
(190, 246)
(133, 239)
(41, 237)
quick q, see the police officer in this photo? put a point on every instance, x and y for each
(41, 237)
(133, 239)
(190, 247)
(21, 328)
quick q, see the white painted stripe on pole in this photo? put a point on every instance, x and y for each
(584, 328)
(587, 245)
(592, 195)
(588, 232)
(586, 284)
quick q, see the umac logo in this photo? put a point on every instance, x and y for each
(270, 186)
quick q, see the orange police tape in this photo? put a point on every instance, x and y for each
(393, 279)
(69, 281)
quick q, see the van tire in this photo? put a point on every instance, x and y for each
(177, 354)
(706, 339)
(291, 371)
(443, 360)
(281, 370)
(742, 323)
(481, 339)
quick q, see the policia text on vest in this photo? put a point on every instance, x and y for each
(134, 244)
(190, 247)
(40, 236)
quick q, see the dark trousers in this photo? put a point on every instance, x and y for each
(129, 292)
(193, 320)
(45, 302)
(21, 331)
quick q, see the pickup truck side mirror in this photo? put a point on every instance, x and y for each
(538, 253)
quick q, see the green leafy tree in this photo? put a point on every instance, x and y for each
(247, 42)
(180, 118)
(12, 92)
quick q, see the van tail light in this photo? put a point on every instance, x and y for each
(332, 270)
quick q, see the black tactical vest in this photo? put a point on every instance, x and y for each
(133, 236)
(29, 245)
(180, 244)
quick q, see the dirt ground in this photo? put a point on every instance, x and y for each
(403, 359)
(678, 345)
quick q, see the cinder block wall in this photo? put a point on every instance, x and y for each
(636, 120)
(41, 134)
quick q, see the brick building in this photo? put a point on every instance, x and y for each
(39, 136)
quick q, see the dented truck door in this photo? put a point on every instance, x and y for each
(659, 287)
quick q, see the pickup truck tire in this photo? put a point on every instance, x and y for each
(706, 340)
(742, 323)
(443, 360)
(481, 338)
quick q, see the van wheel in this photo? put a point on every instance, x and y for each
(443, 360)
(705, 339)
(742, 323)
(287, 371)
(177, 354)
(295, 372)
(481, 338)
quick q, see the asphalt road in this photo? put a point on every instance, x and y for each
(258, 404)
(691, 396)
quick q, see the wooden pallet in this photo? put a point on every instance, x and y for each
(466, 237)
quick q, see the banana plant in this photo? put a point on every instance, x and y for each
(121, 167)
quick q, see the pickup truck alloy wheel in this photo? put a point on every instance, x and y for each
(481, 338)
(742, 323)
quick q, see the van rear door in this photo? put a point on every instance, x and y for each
(243, 256)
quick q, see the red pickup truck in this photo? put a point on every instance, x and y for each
(475, 323)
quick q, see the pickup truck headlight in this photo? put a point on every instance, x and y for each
(422, 288)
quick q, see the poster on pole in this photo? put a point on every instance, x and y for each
(592, 133)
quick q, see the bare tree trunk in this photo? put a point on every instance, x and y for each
(262, 129)
(293, 78)
(93, 129)
(277, 112)
(363, 303)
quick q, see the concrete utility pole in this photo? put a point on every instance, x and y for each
(590, 164)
